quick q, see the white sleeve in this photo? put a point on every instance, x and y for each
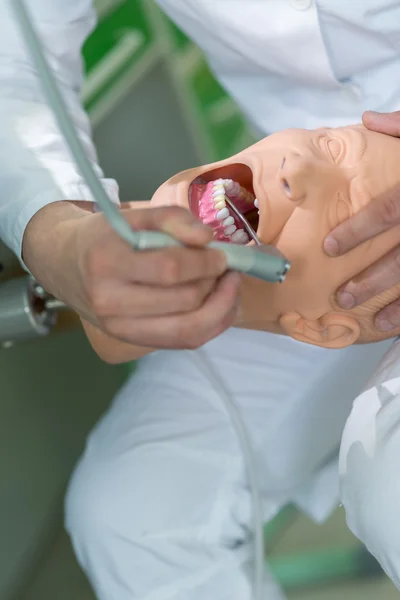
(36, 167)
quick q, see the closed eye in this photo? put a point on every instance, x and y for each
(335, 148)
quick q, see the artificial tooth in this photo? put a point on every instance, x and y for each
(228, 221)
(222, 214)
(219, 181)
(234, 188)
(220, 205)
(229, 230)
(240, 237)
(219, 198)
(242, 191)
(256, 203)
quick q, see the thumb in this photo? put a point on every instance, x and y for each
(388, 123)
(174, 220)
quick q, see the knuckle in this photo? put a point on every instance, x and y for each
(101, 304)
(365, 289)
(390, 210)
(170, 270)
(171, 213)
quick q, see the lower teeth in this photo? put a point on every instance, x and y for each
(240, 237)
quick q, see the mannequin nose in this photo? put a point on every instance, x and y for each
(293, 175)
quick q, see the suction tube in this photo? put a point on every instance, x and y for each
(242, 261)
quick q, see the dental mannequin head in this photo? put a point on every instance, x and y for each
(306, 183)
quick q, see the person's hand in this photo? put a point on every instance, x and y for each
(379, 216)
(172, 298)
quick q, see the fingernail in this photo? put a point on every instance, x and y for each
(346, 300)
(331, 246)
(384, 325)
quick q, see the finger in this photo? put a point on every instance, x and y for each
(137, 301)
(388, 123)
(388, 319)
(175, 220)
(381, 276)
(189, 330)
(136, 205)
(375, 218)
(166, 267)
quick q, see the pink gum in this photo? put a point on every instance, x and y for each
(208, 214)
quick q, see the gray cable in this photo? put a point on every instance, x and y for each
(123, 229)
(243, 437)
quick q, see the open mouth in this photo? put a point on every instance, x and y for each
(209, 197)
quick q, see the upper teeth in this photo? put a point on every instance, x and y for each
(232, 186)
(220, 204)
(220, 188)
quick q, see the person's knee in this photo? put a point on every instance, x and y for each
(90, 507)
(149, 492)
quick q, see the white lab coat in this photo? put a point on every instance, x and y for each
(299, 63)
(288, 63)
(35, 164)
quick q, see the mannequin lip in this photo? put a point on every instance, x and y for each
(238, 173)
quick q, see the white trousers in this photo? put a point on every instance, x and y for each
(159, 507)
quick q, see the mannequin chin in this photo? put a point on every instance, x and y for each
(304, 184)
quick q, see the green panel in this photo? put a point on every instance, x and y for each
(206, 88)
(323, 567)
(279, 524)
(53, 389)
(207, 93)
(223, 135)
(127, 18)
(108, 33)
(180, 41)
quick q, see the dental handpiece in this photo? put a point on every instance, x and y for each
(262, 262)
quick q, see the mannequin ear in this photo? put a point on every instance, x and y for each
(333, 330)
